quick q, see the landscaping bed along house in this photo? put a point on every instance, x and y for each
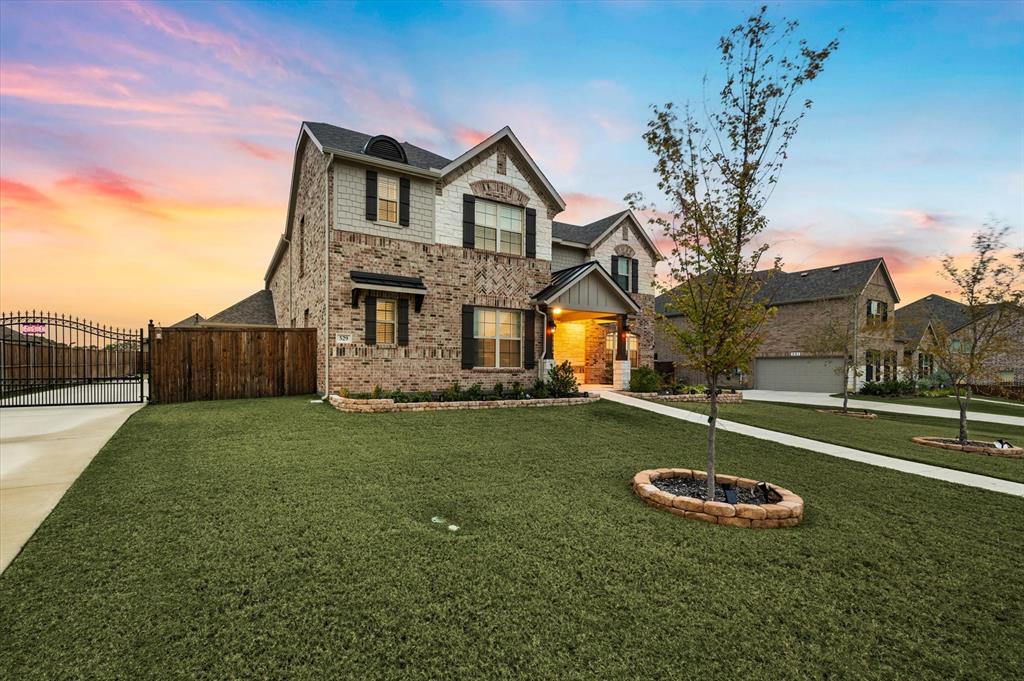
(999, 448)
(738, 502)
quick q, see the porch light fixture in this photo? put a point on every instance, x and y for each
(556, 311)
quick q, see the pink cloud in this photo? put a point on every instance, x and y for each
(469, 137)
(583, 208)
(104, 183)
(87, 86)
(18, 192)
(260, 151)
(927, 220)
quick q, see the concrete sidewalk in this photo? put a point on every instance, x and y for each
(42, 451)
(826, 400)
(902, 465)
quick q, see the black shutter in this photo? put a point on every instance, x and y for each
(468, 341)
(635, 269)
(371, 194)
(403, 201)
(371, 320)
(531, 233)
(529, 339)
(615, 268)
(885, 312)
(403, 321)
(468, 221)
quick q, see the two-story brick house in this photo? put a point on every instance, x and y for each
(420, 271)
(791, 358)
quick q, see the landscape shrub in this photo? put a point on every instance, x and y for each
(540, 390)
(562, 381)
(890, 388)
(644, 380)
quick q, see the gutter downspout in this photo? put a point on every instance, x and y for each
(291, 303)
(328, 228)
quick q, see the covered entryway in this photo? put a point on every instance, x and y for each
(802, 374)
(588, 324)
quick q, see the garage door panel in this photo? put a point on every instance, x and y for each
(802, 374)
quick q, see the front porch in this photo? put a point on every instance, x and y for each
(588, 326)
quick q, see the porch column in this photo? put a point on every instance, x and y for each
(620, 368)
(548, 360)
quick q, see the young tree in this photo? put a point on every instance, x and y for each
(717, 172)
(838, 334)
(990, 288)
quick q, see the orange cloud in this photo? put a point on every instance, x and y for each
(17, 192)
(582, 208)
(104, 183)
(926, 220)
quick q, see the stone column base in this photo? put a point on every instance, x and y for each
(620, 374)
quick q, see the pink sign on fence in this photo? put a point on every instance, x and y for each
(33, 329)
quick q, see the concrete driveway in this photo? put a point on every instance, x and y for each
(826, 400)
(42, 451)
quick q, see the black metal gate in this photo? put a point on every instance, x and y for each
(51, 360)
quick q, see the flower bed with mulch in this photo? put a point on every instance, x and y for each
(679, 491)
(854, 414)
(376, 406)
(972, 446)
(723, 398)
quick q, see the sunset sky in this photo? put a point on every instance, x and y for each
(145, 148)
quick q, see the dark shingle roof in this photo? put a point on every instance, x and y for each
(343, 139)
(191, 320)
(584, 234)
(559, 278)
(257, 309)
(912, 319)
(822, 283)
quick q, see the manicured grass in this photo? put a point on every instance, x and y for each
(279, 539)
(889, 434)
(1004, 407)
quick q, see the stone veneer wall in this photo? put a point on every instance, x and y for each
(615, 244)
(454, 276)
(296, 288)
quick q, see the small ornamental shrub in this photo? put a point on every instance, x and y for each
(540, 390)
(452, 393)
(517, 390)
(890, 388)
(499, 390)
(561, 380)
(473, 393)
(644, 380)
(377, 393)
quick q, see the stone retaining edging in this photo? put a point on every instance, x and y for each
(386, 405)
(1012, 453)
(723, 398)
(786, 513)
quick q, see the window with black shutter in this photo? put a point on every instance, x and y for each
(635, 272)
(531, 233)
(468, 338)
(403, 321)
(371, 320)
(468, 221)
(403, 201)
(529, 339)
(371, 194)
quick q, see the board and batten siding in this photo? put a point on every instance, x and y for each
(593, 294)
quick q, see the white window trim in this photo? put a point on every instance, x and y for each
(497, 337)
(381, 181)
(497, 227)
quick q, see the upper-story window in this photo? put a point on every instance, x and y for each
(499, 227)
(622, 272)
(878, 311)
(387, 199)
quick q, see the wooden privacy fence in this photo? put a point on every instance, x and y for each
(22, 361)
(196, 363)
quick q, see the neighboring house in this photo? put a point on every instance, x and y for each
(918, 322)
(255, 310)
(420, 271)
(190, 321)
(805, 301)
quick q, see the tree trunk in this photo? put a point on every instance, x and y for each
(712, 425)
(963, 403)
(846, 384)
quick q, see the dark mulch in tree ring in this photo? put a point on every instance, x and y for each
(854, 414)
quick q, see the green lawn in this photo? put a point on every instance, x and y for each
(279, 539)
(889, 434)
(997, 406)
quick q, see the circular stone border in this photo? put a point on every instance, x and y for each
(786, 513)
(1012, 453)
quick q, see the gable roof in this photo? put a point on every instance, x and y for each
(563, 280)
(191, 320)
(337, 139)
(911, 319)
(507, 134)
(822, 283)
(594, 232)
(256, 310)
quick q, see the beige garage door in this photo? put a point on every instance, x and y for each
(804, 374)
